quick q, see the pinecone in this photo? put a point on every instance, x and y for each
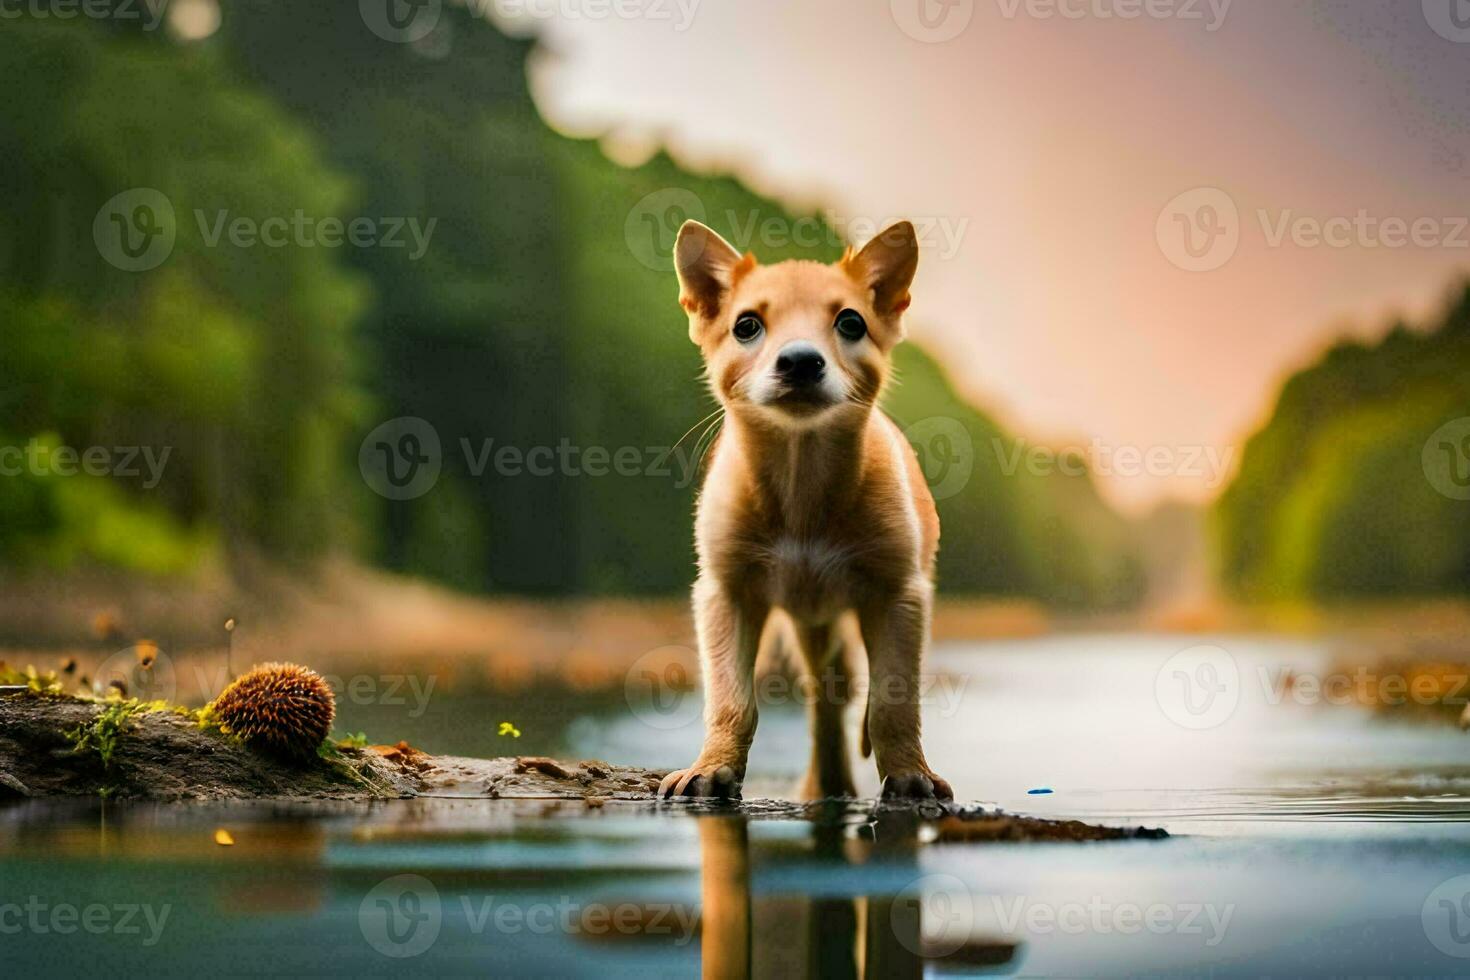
(284, 709)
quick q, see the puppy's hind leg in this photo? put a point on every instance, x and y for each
(827, 688)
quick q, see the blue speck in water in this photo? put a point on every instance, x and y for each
(1043, 791)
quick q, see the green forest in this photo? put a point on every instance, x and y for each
(542, 312)
(1347, 491)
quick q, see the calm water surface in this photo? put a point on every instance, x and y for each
(1308, 839)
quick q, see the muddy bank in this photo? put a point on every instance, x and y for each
(55, 746)
(61, 746)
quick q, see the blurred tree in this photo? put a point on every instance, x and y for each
(1333, 498)
(542, 313)
(233, 357)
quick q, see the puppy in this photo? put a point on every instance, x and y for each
(813, 504)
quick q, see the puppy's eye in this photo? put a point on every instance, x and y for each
(748, 327)
(851, 326)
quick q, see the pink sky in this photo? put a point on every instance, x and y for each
(1047, 147)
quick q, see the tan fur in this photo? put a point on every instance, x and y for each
(820, 510)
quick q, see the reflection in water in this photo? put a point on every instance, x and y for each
(724, 848)
(821, 935)
(1311, 828)
(784, 890)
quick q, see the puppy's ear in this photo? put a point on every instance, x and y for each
(886, 265)
(708, 267)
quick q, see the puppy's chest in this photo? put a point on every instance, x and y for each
(808, 574)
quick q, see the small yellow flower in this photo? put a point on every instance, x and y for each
(506, 728)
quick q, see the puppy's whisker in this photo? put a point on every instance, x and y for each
(696, 425)
(713, 432)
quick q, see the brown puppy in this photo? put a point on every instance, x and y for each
(814, 504)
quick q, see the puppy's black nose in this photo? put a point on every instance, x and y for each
(800, 363)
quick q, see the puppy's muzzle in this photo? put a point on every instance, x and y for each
(800, 365)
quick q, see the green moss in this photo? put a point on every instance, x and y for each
(104, 732)
(37, 682)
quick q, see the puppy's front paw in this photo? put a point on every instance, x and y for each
(916, 785)
(719, 782)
